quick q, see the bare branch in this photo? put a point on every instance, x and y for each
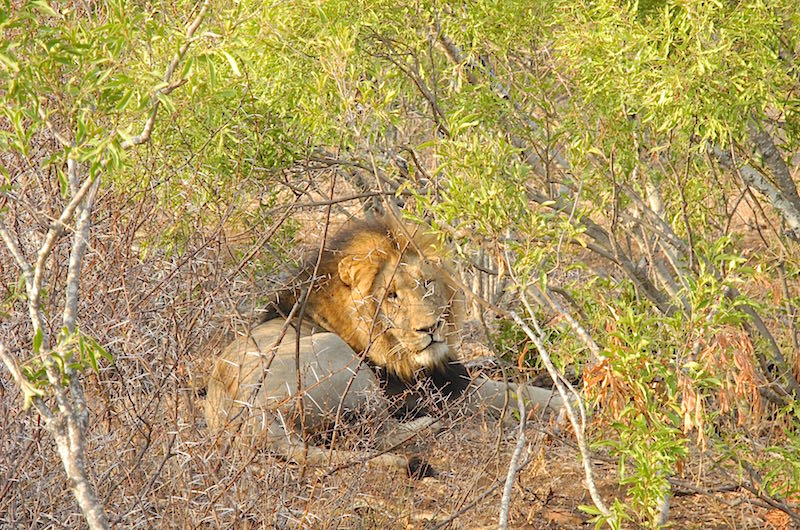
(568, 394)
(659, 225)
(576, 326)
(68, 424)
(754, 178)
(762, 329)
(56, 229)
(774, 503)
(72, 294)
(72, 175)
(775, 162)
(33, 280)
(604, 245)
(412, 71)
(566, 391)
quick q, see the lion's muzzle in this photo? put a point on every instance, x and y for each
(432, 348)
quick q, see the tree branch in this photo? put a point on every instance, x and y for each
(606, 246)
(456, 56)
(412, 71)
(76, 256)
(576, 326)
(56, 229)
(569, 396)
(566, 392)
(30, 394)
(775, 162)
(63, 140)
(144, 136)
(16, 252)
(754, 178)
(512, 466)
(69, 423)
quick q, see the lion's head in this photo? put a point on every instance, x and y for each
(383, 292)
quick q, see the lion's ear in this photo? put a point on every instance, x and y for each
(354, 270)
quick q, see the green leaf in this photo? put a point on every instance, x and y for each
(9, 63)
(692, 365)
(212, 72)
(232, 62)
(91, 357)
(167, 103)
(37, 341)
(187, 66)
(59, 360)
(104, 352)
(45, 8)
(122, 104)
(589, 509)
(29, 392)
(63, 183)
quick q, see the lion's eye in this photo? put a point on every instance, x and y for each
(391, 296)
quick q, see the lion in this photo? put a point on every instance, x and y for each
(378, 336)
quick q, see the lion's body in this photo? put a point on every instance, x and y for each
(325, 359)
(253, 389)
(380, 320)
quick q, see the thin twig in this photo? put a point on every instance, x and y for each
(63, 140)
(301, 315)
(576, 326)
(16, 252)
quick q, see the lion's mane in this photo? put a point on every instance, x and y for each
(360, 270)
